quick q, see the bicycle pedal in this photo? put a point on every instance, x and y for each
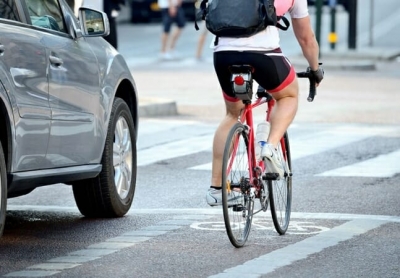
(270, 176)
(238, 208)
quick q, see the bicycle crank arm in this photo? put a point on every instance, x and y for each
(270, 176)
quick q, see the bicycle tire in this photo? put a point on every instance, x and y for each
(238, 214)
(280, 192)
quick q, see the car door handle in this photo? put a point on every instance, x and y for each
(1, 49)
(55, 61)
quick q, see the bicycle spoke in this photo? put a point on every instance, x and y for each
(280, 192)
(237, 206)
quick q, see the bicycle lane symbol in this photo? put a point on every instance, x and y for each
(295, 227)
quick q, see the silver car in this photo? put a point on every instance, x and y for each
(68, 107)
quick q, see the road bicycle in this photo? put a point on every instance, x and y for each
(245, 178)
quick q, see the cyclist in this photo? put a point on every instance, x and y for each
(274, 72)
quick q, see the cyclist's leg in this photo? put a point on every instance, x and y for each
(284, 111)
(222, 61)
(283, 86)
(276, 74)
(233, 109)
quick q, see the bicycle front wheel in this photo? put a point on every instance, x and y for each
(236, 201)
(280, 191)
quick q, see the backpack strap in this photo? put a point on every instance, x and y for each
(201, 14)
(216, 41)
(285, 21)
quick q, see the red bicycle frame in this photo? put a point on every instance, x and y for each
(246, 117)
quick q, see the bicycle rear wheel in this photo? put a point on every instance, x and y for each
(236, 200)
(280, 191)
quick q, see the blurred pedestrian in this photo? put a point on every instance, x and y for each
(171, 12)
(203, 35)
(200, 44)
(111, 8)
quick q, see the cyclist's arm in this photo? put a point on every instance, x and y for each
(306, 38)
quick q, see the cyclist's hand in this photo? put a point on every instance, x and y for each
(318, 75)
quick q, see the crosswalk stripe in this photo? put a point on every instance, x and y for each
(154, 132)
(381, 166)
(289, 254)
(315, 143)
(150, 126)
(189, 137)
(331, 139)
(174, 149)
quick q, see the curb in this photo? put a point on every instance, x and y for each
(370, 54)
(156, 107)
(330, 64)
(363, 65)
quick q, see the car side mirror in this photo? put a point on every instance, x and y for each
(93, 23)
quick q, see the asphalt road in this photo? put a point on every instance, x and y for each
(346, 213)
(345, 217)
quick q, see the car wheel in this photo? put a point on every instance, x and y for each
(3, 190)
(111, 193)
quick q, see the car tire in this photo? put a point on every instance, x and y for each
(3, 191)
(103, 196)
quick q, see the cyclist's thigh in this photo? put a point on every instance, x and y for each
(273, 71)
(290, 90)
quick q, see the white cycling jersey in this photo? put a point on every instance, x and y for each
(267, 39)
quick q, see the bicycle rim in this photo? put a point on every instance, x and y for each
(280, 191)
(238, 213)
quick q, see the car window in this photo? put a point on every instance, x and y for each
(46, 14)
(8, 10)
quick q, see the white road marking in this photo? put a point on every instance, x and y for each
(152, 126)
(160, 139)
(295, 227)
(205, 167)
(95, 251)
(386, 165)
(267, 263)
(300, 250)
(174, 149)
(319, 142)
(315, 143)
(199, 212)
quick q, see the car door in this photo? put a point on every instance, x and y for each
(23, 71)
(73, 89)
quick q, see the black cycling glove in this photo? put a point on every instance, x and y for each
(317, 74)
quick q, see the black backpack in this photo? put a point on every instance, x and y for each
(239, 18)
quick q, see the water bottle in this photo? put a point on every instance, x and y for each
(262, 134)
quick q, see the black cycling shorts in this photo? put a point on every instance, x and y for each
(167, 20)
(272, 70)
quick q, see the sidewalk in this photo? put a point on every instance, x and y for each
(188, 87)
(355, 89)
